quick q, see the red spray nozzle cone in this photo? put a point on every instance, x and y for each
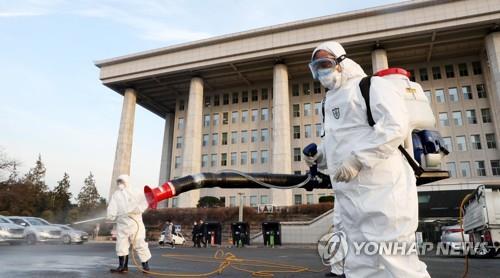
(155, 195)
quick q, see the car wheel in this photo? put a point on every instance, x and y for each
(67, 240)
(31, 239)
(485, 252)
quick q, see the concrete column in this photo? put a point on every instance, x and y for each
(492, 43)
(191, 153)
(166, 153)
(379, 60)
(125, 137)
(282, 150)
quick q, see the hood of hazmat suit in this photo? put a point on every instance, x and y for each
(380, 203)
(125, 208)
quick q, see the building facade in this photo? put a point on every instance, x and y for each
(246, 101)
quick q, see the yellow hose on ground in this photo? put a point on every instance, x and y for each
(461, 222)
(225, 260)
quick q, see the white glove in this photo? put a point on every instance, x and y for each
(313, 160)
(347, 170)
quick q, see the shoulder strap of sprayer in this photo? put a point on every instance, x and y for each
(364, 86)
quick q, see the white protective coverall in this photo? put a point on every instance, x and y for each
(379, 204)
(127, 203)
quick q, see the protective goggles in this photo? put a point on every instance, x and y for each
(324, 63)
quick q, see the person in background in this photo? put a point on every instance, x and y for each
(168, 231)
(195, 237)
(202, 233)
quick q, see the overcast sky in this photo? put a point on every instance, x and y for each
(51, 100)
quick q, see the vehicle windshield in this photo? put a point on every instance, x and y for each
(19, 221)
(36, 222)
(43, 221)
(3, 220)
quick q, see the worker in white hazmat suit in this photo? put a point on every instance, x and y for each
(125, 206)
(375, 187)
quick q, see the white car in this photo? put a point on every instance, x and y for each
(177, 238)
(37, 229)
(452, 236)
(11, 233)
(70, 235)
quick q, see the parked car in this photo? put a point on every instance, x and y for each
(452, 236)
(177, 238)
(11, 233)
(70, 235)
(37, 229)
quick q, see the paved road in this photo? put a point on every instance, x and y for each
(95, 259)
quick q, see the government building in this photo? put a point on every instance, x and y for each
(247, 101)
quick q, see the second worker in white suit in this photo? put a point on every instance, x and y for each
(375, 188)
(126, 207)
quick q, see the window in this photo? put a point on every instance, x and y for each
(215, 139)
(264, 156)
(428, 95)
(295, 90)
(307, 131)
(476, 68)
(443, 119)
(264, 114)
(440, 95)
(264, 199)
(486, 115)
(307, 109)
(480, 168)
(253, 137)
(436, 73)
(178, 162)
(490, 141)
(306, 89)
(180, 123)
(296, 132)
(296, 154)
(467, 92)
(216, 100)
(223, 159)
(317, 108)
(243, 158)
(204, 160)
(309, 199)
(206, 121)
(180, 140)
(495, 167)
(297, 199)
(317, 87)
(297, 172)
(462, 69)
(457, 118)
(216, 119)
(475, 142)
(255, 95)
(244, 136)
(244, 96)
(234, 117)
(471, 116)
(234, 137)
(253, 201)
(207, 101)
(235, 97)
(255, 112)
(225, 118)
(264, 135)
(205, 140)
(448, 144)
(244, 116)
(461, 145)
(224, 138)
(296, 110)
(175, 202)
(318, 130)
(453, 94)
(450, 71)
(264, 94)
(234, 158)
(412, 75)
(481, 91)
(465, 168)
(423, 74)
(181, 105)
(232, 201)
(452, 168)
(213, 161)
(225, 99)
(253, 157)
